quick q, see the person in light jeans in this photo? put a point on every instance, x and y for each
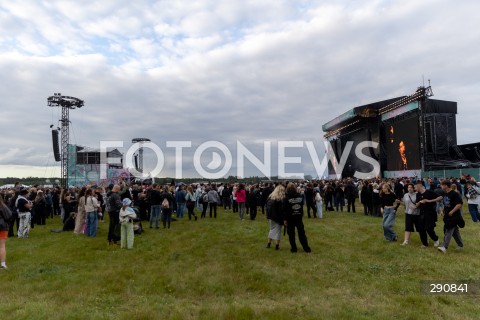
(388, 199)
(155, 205)
(473, 195)
(91, 208)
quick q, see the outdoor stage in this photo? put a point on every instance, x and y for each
(416, 136)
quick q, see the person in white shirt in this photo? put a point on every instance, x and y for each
(413, 219)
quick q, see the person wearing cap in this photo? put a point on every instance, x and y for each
(126, 220)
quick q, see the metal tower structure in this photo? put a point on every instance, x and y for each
(140, 141)
(66, 103)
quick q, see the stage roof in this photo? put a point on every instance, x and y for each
(365, 111)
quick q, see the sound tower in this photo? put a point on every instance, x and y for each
(136, 161)
(56, 147)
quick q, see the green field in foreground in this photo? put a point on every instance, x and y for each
(220, 269)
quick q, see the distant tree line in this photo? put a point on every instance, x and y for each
(28, 181)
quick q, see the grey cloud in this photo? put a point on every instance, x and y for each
(273, 78)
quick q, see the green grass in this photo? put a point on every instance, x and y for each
(220, 269)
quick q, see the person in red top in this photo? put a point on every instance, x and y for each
(241, 196)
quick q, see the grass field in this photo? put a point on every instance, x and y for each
(220, 269)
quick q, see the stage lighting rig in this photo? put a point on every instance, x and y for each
(140, 141)
(66, 103)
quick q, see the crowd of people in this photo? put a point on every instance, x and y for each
(81, 209)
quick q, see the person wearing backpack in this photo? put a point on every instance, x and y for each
(204, 202)
(167, 207)
(5, 220)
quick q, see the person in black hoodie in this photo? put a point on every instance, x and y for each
(293, 206)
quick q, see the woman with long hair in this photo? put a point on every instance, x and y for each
(91, 209)
(81, 214)
(293, 206)
(388, 200)
(66, 204)
(40, 208)
(275, 215)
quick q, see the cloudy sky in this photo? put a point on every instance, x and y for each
(252, 71)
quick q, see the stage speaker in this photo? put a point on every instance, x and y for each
(56, 147)
(136, 162)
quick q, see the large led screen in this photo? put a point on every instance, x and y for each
(402, 145)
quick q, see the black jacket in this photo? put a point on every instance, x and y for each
(115, 202)
(275, 210)
(293, 206)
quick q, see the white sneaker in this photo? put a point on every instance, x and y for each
(443, 249)
(404, 243)
(436, 244)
